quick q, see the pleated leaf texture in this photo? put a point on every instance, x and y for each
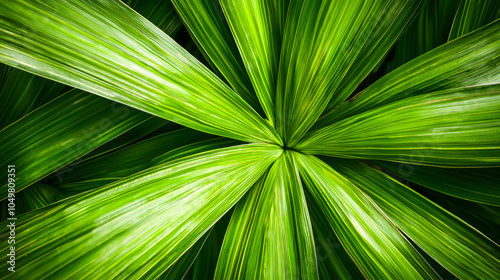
(250, 139)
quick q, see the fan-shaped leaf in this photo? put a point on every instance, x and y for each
(270, 235)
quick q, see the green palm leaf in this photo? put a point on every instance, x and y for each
(165, 235)
(457, 127)
(474, 184)
(125, 65)
(22, 92)
(468, 61)
(257, 27)
(376, 246)
(270, 234)
(123, 191)
(207, 24)
(472, 14)
(435, 230)
(333, 260)
(60, 132)
(313, 67)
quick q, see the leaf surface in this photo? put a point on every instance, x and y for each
(270, 234)
(480, 185)
(454, 244)
(61, 131)
(452, 128)
(376, 246)
(106, 48)
(468, 61)
(160, 213)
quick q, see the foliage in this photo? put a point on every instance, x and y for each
(265, 139)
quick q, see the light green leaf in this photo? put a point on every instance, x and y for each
(473, 14)
(257, 27)
(206, 22)
(160, 213)
(322, 40)
(381, 27)
(106, 48)
(61, 131)
(475, 184)
(454, 244)
(457, 127)
(142, 161)
(333, 260)
(470, 60)
(375, 245)
(270, 235)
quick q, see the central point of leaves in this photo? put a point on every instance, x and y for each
(286, 148)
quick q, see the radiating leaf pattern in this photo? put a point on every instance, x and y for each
(164, 194)
(141, 66)
(399, 98)
(376, 246)
(270, 235)
(468, 61)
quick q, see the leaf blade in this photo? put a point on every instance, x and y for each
(158, 193)
(435, 230)
(468, 61)
(451, 128)
(140, 66)
(322, 40)
(270, 234)
(206, 21)
(454, 182)
(61, 131)
(257, 27)
(374, 244)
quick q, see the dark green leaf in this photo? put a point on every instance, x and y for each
(476, 184)
(473, 14)
(333, 260)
